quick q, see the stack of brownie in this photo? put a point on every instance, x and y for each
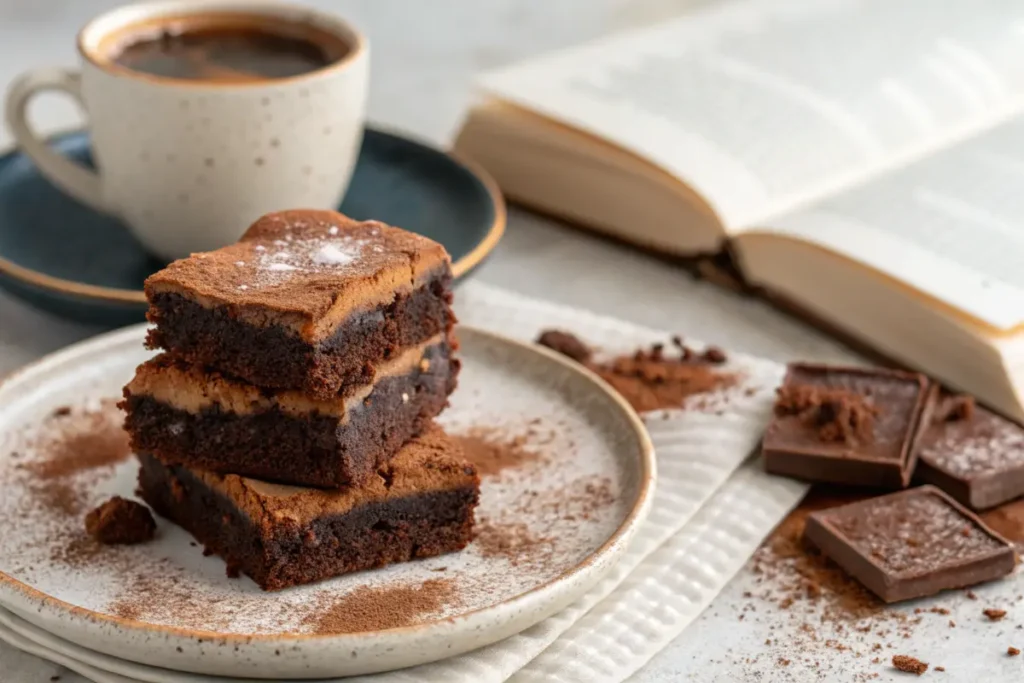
(288, 424)
(884, 429)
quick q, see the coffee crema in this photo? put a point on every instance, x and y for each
(224, 48)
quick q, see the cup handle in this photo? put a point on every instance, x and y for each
(73, 178)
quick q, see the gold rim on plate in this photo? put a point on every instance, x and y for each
(641, 505)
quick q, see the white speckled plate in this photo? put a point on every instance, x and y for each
(166, 605)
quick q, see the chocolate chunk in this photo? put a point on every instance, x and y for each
(120, 522)
(566, 344)
(846, 425)
(910, 544)
(972, 454)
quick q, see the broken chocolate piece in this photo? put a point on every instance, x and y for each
(910, 544)
(846, 425)
(972, 454)
(120, 521)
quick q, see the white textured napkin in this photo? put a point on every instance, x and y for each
(706, 520)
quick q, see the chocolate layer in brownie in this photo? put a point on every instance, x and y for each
(307, 300)
(421, 505)
(188, 416)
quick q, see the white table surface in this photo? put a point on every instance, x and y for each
(424, 57)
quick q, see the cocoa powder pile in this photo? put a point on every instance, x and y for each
(373, 609)
(653, 378)
(494, 451)
(836, 414)
(74, 444)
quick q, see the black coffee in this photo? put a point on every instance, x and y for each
(235, 51)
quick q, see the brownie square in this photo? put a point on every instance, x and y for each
(971, 453)
(420, 505)
(188, 415)
(306, 300)
(910, 544)
(846, 425)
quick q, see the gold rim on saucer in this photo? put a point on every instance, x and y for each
(136, 296)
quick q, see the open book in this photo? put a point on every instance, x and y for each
(860, 159)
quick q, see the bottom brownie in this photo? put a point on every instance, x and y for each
(421, 505)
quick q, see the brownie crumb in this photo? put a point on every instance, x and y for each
(566, 344)
(940, 668)
(837, 414)
(955, 408)
(62, 411)
(994, 614)
(55, 678)
(909, 665)
(120, 522)
(1012, 651)
(971, 595)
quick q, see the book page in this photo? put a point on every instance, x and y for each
(765, 105)
(951, 226)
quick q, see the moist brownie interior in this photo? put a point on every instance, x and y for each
(189, 415)
(419, 505)
(308, 300)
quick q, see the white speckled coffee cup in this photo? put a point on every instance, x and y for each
(189, 164)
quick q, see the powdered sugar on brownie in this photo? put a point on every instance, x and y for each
(313, 267)
(275, 264)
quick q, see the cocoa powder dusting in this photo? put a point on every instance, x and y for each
(652, 378)
(88, 443)
(74, 444)
(374, 609)
(513, 541)
(493, 451)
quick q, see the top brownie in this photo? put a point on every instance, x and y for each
(307, 300)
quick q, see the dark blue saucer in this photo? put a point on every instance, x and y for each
(76, 263)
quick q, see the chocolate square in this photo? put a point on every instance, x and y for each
(910, 544)
(846, 425)
(971, 453)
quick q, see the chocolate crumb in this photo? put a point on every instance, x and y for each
(940, 668)
(952, 624)
(1012, 651)
(837, 414)
(994, 614)
(566, 344)
(909, 665)
(62, 411)
(714, 355)
(55, 678)
(955, 408)
(971, 595)
(119, 521)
